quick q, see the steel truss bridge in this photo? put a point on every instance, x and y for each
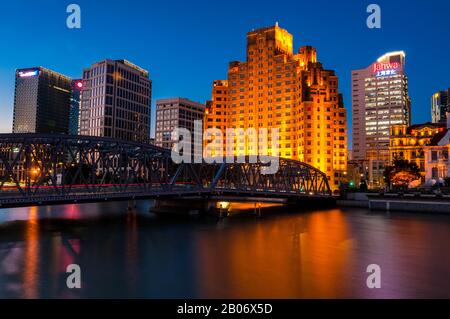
(38, 169)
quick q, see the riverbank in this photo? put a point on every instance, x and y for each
(400, 203)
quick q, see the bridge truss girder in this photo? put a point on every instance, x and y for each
(36, 167)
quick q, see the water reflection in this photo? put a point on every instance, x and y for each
(31, 258)
(131, 253)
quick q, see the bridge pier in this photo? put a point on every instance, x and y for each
(183, 206)
(132, 204)
(258, 209)
(313, 202)
(222, 208)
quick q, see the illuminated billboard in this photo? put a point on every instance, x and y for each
(28, 73)
(386, 69)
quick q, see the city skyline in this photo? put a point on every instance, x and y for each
(199, 152)
(212, 48)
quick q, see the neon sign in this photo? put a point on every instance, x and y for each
(386, 69)
(28, 74)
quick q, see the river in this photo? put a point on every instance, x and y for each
(305, 254)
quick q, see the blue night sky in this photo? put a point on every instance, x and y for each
(187, 44)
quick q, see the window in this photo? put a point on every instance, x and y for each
(435, 173)
(434, 156)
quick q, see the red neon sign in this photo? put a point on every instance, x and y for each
(377, 67)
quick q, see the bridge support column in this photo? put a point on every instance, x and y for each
(258, 209)
(183, 206)
(132, 204)
(313, 202)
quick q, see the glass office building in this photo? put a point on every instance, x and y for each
(116, 101)
(41, 102)
(75, 101)
(440, 105)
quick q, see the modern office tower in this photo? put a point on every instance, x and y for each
(75, 101)
(176, 113)
(440, 105)
(41, 102)
(116, 101)
(277, 89)
(380, 99)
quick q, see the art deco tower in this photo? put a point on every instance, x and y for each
(276, 88)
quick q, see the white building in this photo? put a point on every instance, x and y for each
(379, 100)
(437, 161)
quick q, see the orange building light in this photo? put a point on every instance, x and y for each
(276, 88)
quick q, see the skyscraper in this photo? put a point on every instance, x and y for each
(176, 113)
(440, 105)
(276, 88)
(75, 100)
(379, 100)
(116, 101)
(41, 102)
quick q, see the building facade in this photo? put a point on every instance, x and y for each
(278, 89)
(409, 143)
(116, 101)
(75, 101)
(176, 113)
(380, 99)
(440, 105)
(437, 160)
(41, 102)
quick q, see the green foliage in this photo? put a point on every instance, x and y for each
(447, 182)
(401, 173)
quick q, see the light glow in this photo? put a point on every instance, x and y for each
(28, 74)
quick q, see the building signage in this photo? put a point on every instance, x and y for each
(386, 69)
(28, 74)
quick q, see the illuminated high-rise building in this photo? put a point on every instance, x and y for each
(379, 100)
(276, 88)
(440, 105)
(116, 101)
(41, 102)
(74, 114)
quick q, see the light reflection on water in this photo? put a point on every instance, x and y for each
(317, 254)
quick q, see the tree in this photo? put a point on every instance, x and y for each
(363, 186)
(447, 182)
(401, 173)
